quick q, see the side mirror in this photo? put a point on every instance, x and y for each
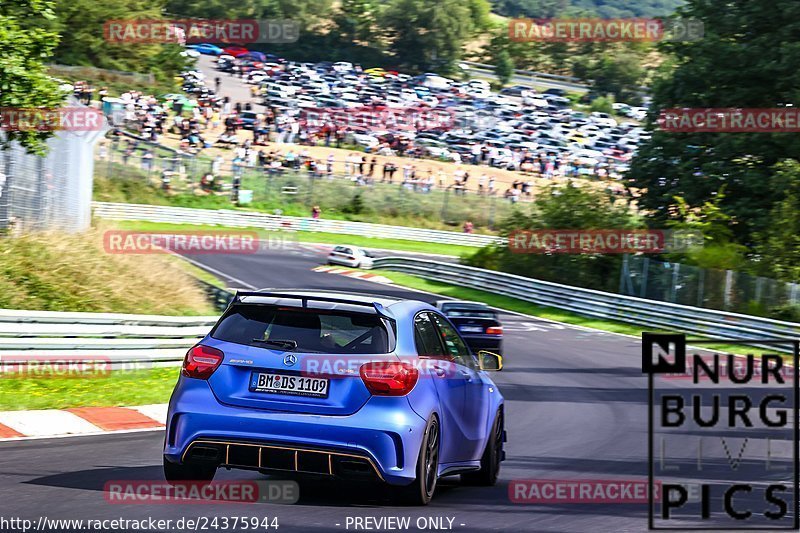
(491, 362)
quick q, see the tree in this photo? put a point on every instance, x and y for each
(24, 46)
(616, 70)
(500, 56)
(503, 66)
(778, 247)
(84, 20)
(305, 11)
(431, 34)
(356, 19)
(571, 208)
(709, 73)
(719, 249)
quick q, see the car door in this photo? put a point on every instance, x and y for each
(449, 383)
(475, 410)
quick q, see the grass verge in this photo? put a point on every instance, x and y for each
(521, 306)
(118, 388)
(309, 237)
(54, 271)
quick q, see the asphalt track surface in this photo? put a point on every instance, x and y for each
(576, 404)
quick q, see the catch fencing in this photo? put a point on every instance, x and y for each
(53, 191)
(294, 189)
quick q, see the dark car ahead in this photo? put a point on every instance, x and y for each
(477, 322)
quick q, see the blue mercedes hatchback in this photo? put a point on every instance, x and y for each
(342, 385)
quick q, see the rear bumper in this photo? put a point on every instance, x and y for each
(381, 440)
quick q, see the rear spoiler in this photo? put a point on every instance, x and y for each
(377, 306)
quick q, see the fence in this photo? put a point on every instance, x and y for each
(51, 191)
(77, 72)
(569, 83)
(251, 219)
(294, 190)
(715, 289)
(119, 339)
(586, 302)
(138, 340)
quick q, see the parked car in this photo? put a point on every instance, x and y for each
(343, 66)
(206, 49)
(236, 51)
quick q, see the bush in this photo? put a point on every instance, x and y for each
(355, 206)
(602, 104)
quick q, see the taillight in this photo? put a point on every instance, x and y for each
(201, 361)
(494, 330)
(390, 378)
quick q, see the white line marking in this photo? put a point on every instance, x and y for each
(94, 434)
(217, 272)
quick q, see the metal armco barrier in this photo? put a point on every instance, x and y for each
(251, 219)
(120, 339)
(587, 302)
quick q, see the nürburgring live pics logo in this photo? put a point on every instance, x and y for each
(722, 445)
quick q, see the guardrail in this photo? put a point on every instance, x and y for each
(49, 337)
(542, 78)
(252, 219)
(587, 302)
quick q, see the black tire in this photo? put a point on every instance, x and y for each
(421, 490)
(176, 473)
(490, 461)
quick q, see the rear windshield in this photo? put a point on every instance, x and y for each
(474, 313)
(313, 330)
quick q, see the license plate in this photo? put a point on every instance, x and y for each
(471, 329)
(293, 385)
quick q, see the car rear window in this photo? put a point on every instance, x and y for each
(314, 330)
(475, 313)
